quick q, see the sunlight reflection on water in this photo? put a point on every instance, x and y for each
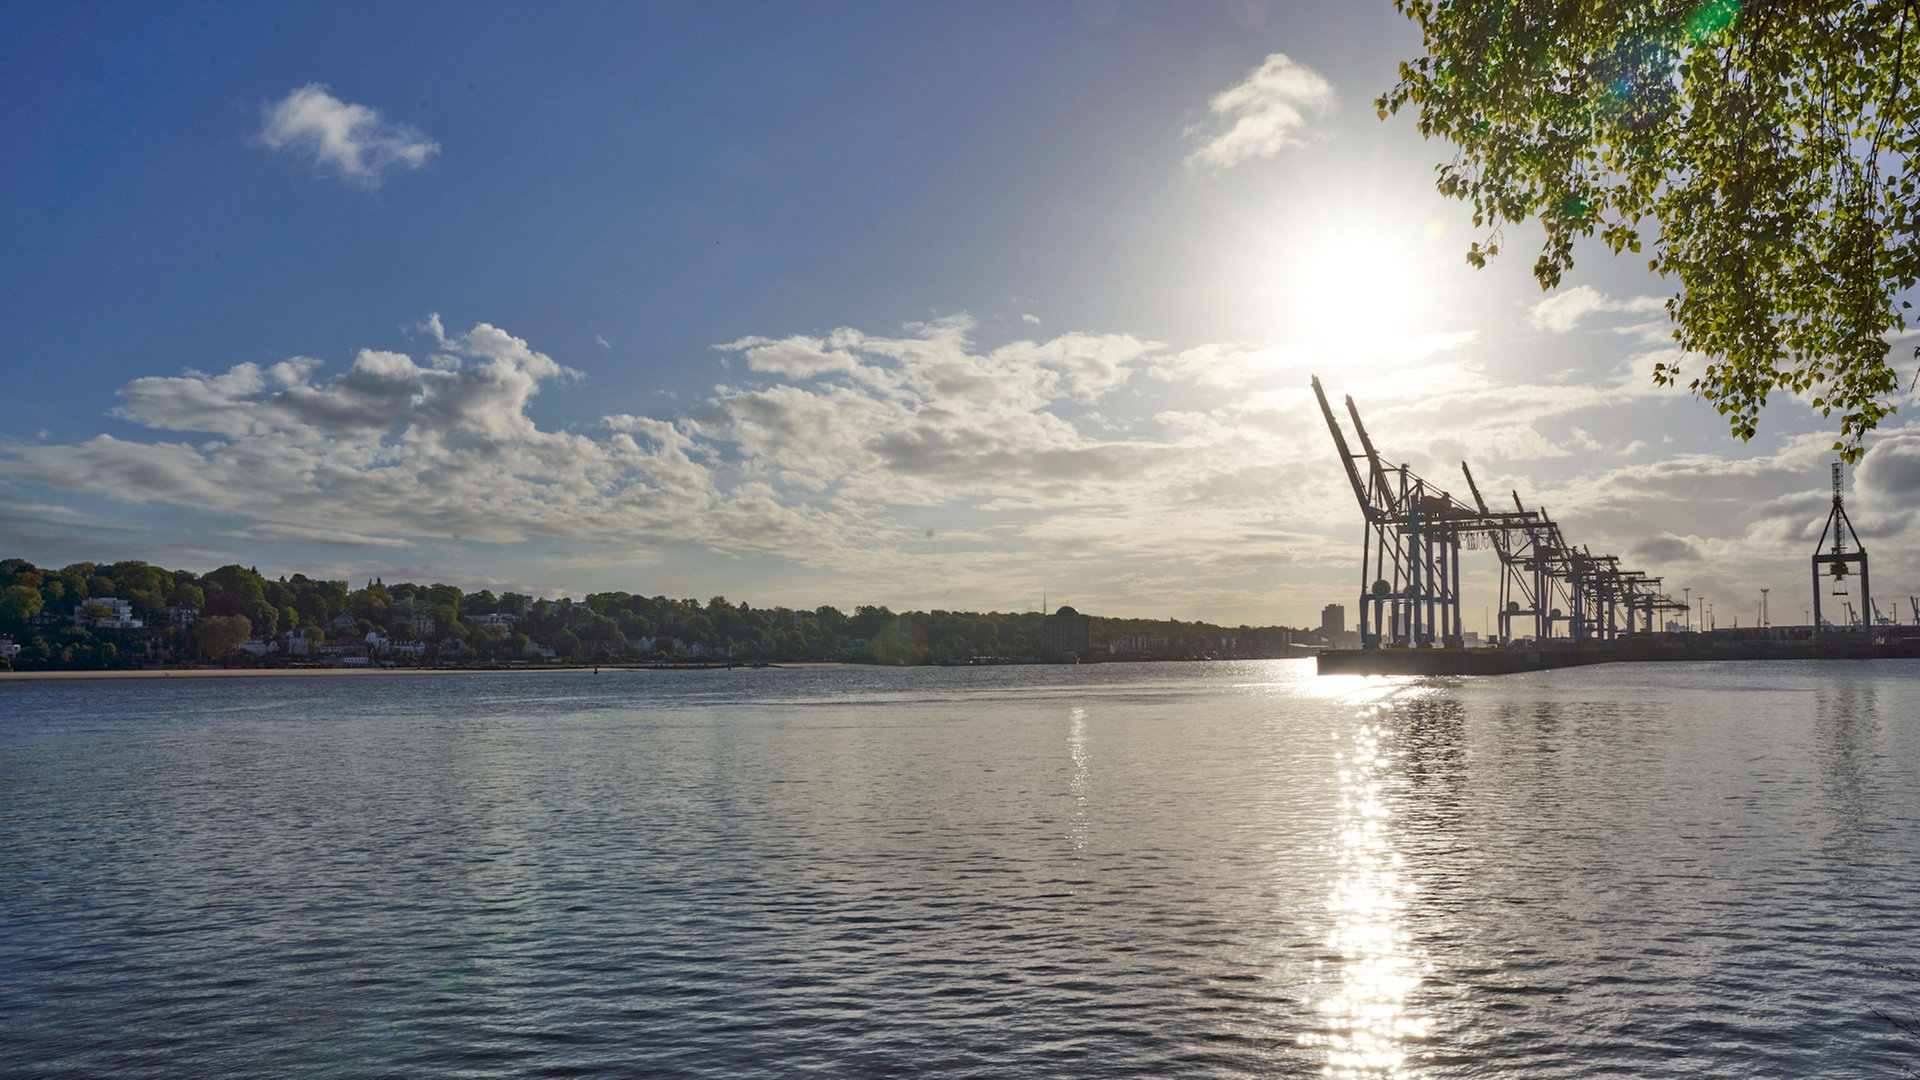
(1368, 1023)
(1078, 784)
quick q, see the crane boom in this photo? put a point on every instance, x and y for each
(1473, 487)
(1340, 441)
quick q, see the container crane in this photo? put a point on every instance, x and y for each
(1836, 558)
(1410, 558)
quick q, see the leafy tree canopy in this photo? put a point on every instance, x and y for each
(1762, 151)
(19, 603)
(217, 635)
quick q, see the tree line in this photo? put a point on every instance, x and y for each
(236, 615)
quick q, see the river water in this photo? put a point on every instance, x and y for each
(1229, 869)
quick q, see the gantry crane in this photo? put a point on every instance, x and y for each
(1835, 556)
(1410, 559)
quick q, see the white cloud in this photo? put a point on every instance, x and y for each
(1563, 312)
(282, 534)
(601, 340)
(923, 418)
(1733, 523)
(821, 460)
(389, 449)
(1230, 365)
(1666, 549)
(1263, 114)
(449, 402)
(351, 140)
(1140, 472)
(799, 357)
(399, 449)
(845, 430)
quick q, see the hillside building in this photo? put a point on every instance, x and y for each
(1068, 634)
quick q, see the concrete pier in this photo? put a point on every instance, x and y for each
(1885, 643)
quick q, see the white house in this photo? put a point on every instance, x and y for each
(120, 619)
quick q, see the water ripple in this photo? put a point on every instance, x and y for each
(1151, 870)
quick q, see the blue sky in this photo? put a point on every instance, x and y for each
(930, 305)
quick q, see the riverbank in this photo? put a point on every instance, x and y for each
(1711, 646)
(254, 673)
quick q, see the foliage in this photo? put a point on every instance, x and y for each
(1762, 151)
(218, 635)
(18, 604)
(438, 623)
(901, 641)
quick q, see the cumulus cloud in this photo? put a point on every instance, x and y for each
(815, 452)
(451, 401)
(1173, 471)
(811, 459)
(1667, 548)
(388, 449)
(1732, 525)
(353, 141)
(1891, 469)
(924, 416)
(826, 452)
(1230, 365)
(1562, 312)
(1263, 114)
(799, 356)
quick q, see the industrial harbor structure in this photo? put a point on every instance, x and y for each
(1560, 604)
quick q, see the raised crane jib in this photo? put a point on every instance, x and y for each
(1340, 442)
(1475, 488)
(1380, 485)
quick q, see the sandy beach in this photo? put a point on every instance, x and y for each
(270, 673)
(274, 673)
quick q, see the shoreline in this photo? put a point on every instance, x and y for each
(255, 673)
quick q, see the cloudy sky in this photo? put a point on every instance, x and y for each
(930, 305)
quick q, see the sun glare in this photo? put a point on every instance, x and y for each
(1353, 286)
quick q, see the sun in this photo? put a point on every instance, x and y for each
(1353, 278)
(1351, 284)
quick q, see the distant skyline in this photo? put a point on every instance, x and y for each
(926, 305)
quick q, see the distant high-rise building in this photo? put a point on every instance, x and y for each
(1068, 633)
(1333, 621)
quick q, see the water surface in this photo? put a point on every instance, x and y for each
(1123, 870)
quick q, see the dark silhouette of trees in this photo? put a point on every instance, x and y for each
(293, 619)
